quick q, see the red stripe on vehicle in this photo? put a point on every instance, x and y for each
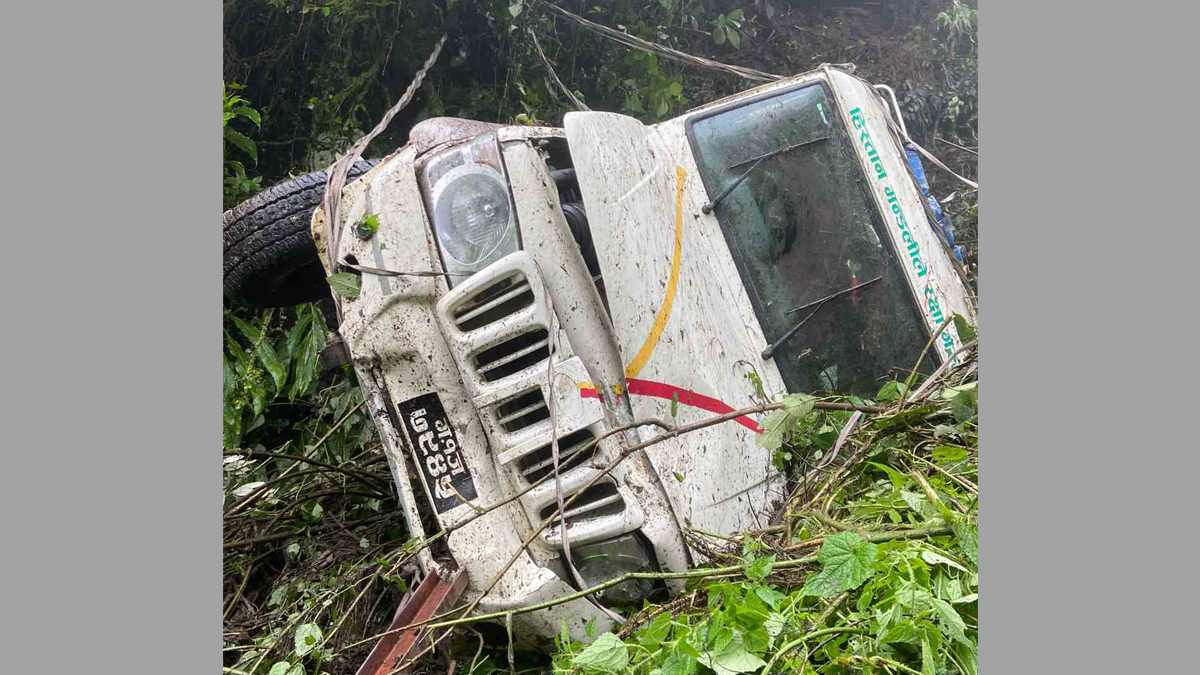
(686, 397)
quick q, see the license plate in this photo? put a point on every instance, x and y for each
(435, 449)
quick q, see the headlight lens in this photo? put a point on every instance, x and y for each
(472, 215)
(469, 205)
(609, 559)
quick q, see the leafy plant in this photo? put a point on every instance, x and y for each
(263, 362)
(726, 26)
(238, 185)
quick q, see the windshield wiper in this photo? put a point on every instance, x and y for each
(708, 208)
(770, 350)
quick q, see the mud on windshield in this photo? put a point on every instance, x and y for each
(806, 240)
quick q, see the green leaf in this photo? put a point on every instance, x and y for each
(928, 663)
(285, 668)
(734, 38)
(515, 9)
(760, 568)
(961, 407)
(847, 561)
(735, 15)
(264, 350)
(774, 624)
(770, 596)
(719, 35)
(371, 222)
(675, 89)
(773, 426)
(968, 540)
(965, 332)
(250, 113)
(654, 634)
(308, 636)
(679, 663)
(678, 476)
(936, 558)
(345, 284)
(733, 658)
(952, 624)
(607, 653)
(241, 141)
(308, 352)
(949, 454)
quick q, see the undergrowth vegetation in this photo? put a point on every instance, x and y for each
(872, 564)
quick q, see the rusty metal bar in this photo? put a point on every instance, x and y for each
(432, 596)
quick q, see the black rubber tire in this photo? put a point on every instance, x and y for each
(270, 259)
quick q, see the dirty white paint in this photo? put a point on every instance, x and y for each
(629, 177)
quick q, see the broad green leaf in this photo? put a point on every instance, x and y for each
(898, 479)
(734, 658)
(285, 668)
(675, 89)
(515, 9)
(966, 599)
(719, 35)
(679, 663)
(250, 113)
(345, 284)
(735, 15)
(962, 407)
(770, 596)
(653, 635)
(952, 624)
(949, 454)
(607, 653)
(773, 426)
(241, 141)
(774, 624)
(847, 561)
(965, 332)
(308, 636)
(734, 38)
(760, 568)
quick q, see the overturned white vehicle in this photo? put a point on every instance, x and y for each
(592, 277)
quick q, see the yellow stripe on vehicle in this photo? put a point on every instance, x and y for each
(664, 312)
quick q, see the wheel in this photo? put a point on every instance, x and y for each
(270, 259)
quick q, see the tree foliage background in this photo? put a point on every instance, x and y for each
(315, 558)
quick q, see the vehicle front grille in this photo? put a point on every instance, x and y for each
(522, 411)
(598, 501)
(573, 450)
(513, 355)
(505, 297)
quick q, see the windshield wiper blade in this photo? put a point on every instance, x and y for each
(708, 208)
(770, 350)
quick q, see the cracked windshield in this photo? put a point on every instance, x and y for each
(802, 230)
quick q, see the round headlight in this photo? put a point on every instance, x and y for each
(471, 213)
